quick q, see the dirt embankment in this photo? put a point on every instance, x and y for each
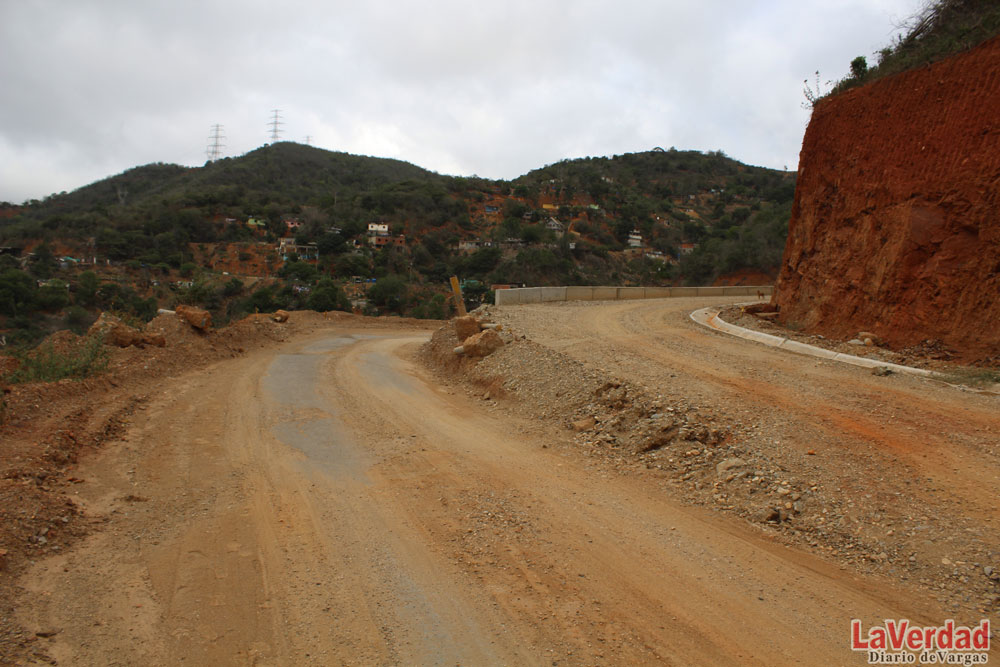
(894, 227)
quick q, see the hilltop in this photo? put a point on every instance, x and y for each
(259, 231)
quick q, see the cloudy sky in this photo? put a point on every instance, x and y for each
(91, 88)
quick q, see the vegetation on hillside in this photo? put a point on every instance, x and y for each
(944, 28)
(164, 234)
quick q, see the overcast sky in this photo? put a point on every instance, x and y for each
(91, 88)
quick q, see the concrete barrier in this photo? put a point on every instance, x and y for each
(552, 293)
(631, 293)
(516, 296)
(605, 293)
(579, 293)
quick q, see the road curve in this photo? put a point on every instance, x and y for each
(325, 503)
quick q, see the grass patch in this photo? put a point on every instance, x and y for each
(979, 378)
(48, 364)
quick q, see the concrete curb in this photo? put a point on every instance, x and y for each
(709, 317)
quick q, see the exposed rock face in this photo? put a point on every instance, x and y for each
(895, 228)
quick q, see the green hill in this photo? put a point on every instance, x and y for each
(657, 217)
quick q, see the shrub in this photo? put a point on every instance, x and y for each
(46, 364)
(77, 318)
(328, 296)
(389, 293)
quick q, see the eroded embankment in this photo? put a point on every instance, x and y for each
(894, 227)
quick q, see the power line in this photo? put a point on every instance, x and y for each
(275, 125)
(214, 149)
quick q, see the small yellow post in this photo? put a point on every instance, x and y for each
(457, 290)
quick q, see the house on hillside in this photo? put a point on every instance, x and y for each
(468, 246)
(635, 239)
(555, 226)
(490, 209)
(657, 256)
(379, 242)
(257, 225)
(686, 248)
(378, 234)
(292, 225)
(287, 247)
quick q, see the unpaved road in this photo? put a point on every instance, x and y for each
(324, 502)
(947, 440)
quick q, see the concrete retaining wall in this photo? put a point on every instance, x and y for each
(510, 297)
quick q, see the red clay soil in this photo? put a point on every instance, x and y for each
(895, 227)
(238, 259)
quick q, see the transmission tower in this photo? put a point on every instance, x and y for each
(214, 149)
(275, 125)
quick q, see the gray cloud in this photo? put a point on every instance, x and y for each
(93, 88)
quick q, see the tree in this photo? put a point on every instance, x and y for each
(52, 296)
(232, 288)
(44, 262)
(327, 296)
(301, 271)
(483, 260)
(351, 265)
(17, 292)
(859, 67)
(389, 293)
(86, 289)
(330, 244)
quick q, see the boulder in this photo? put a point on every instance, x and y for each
(152, 338)
(280, 316)
(465, 327)
(482, 344)
(112, 331)
(122, 335)
(196, 317)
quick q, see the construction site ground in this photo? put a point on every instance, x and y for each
(616, 485)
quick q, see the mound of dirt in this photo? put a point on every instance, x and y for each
(894, 227)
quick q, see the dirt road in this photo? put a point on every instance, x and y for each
(326, 502)
(944, 437)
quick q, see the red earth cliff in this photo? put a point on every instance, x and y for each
(895, 227)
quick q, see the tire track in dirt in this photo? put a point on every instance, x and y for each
(325, 502)
(828, 404)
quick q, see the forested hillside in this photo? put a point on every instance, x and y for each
(262, 230)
